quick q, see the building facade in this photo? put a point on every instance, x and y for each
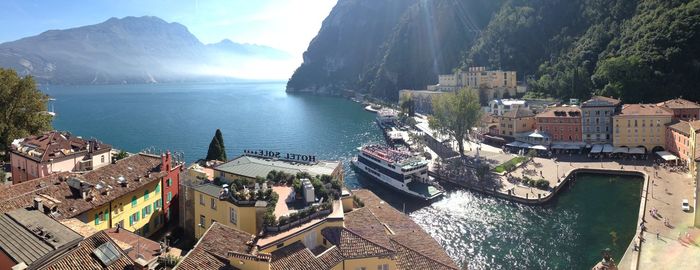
(372, 236)
(681, 140)
(477, 78)
(38, 156)
(561, 124)
(515, 121)
(682, 109)
(501, 106)
(422, 99)
(641, 125)
(128, 194)
(596, 119)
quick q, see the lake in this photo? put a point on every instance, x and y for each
(479, 231)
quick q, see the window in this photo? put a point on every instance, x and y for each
(170, 196)
(202, 221)
(145, 195)
(383, 267)
(97, 218)
(102, 158)
(169, 182)
(133, 201)
(213, 204)
(105, 217)
(234, 216)
(201, 199)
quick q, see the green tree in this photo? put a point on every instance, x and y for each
(408, 106)
(217, 150)
(121, 155)
(22, 108)
(455, 114)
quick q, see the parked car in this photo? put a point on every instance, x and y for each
(685, 205)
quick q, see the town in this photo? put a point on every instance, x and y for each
(84, 204)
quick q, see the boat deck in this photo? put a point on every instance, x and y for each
(426, 190)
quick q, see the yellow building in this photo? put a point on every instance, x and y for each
(515, 121)
(369, 235)
(250, 166)
(641, 125)
(128, 193)
(210, 206)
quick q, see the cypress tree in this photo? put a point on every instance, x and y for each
(217, 151)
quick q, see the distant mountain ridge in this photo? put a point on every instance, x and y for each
(127, 50)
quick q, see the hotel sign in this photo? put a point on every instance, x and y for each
(281, 156)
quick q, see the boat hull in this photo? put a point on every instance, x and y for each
(361, 168)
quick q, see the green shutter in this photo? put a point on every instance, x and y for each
(97, 219)
(106, 216)
(133, 201)
(145, 195)
(131, 220)
(158, 188)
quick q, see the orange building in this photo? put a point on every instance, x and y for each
(562, 124)
(682, 109)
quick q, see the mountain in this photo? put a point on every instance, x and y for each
(128, 50)
(638, 50)
(379, 47)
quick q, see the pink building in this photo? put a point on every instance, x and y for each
(52, 152)
(562, 124)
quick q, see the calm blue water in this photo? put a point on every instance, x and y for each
(479, 232)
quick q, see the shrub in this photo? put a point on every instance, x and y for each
(269, 218)
(283, 220)
(542, 184)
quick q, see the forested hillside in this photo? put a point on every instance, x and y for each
(639, 50)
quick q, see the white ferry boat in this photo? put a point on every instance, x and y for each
(397, 169)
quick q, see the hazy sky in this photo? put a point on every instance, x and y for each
(285, 24)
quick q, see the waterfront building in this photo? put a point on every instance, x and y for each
(681, 140)
(236, 208)
(596, 119)
(477, 78)
(641, 126)
(251, 166)
(41, 155)
(562, 125)
(422, 99)
(518, 120)
(501, 106)
(365, 233)
(128, 194)
(97, 251)
(682, 109)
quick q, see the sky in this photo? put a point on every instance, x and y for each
(288, 25)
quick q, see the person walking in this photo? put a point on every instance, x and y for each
(657, 235)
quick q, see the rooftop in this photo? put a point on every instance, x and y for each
(102, 185)
(29, 236)
(134, 245)
(403, 158)
(250, 166)
(596, 101)
(83, 256)
(509, 101)
(561, 111)
(643, 110)
(679, 103)
(55, 145)
(519, 112)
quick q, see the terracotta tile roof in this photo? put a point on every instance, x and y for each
(352, 245)
(365, 224)
(405, 231)
(331, 257)
(680, 126)
(643, 110)
(56, 145)
(134, 245)
(408, 258)
(679, 103)
(561, 112)
(55, 191)
(217, 244)
(295, 256)
(519, 112)
(82, 257)
(695, 125)
(199, 259)
(597, 99)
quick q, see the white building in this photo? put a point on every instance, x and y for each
(501, 106)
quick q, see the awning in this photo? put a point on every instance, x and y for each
(621, 150)
(637, 150)
(607, 148)
(538, 147)
(596, 149)
(667, 156)
(513, 144)
(558, 146)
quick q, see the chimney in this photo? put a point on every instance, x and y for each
(37, 204)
